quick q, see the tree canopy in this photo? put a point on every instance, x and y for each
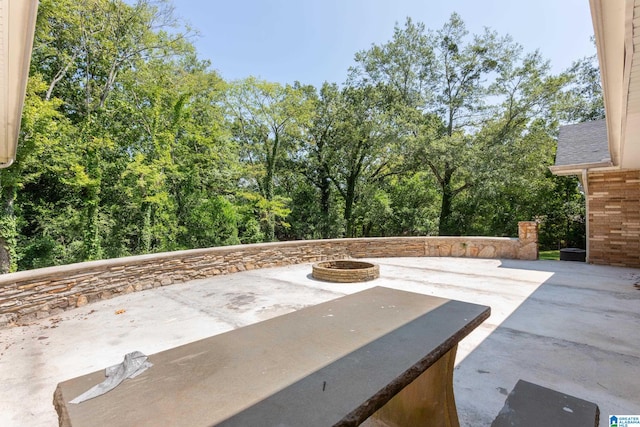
(131, 144)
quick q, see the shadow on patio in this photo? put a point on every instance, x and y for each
(577, 332)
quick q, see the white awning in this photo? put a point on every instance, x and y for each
(17, 27)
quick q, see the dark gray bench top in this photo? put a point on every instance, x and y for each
(332, 363)
(531, 405)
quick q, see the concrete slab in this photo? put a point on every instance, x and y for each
(569, 326)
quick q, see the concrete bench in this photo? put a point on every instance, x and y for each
(531, 405)
(378, 356)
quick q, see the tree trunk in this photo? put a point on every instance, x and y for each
(269, 225)
(446, 228)
(145, 234)
(93, 248)
(348, 206)
(325, 205)
(269, 220)
(5, 256)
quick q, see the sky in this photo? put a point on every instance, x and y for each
(313, 41)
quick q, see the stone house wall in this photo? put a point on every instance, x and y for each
(614, 218)
(42, 292)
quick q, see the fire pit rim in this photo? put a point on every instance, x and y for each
(345, 271)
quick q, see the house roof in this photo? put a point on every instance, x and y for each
(583, 143)
(582, 146)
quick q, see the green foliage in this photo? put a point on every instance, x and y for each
(269, 214)
(267, 122)
(583, 100)
(9, 242)
(212, 222)
(563, 223)
(465, 107)
(414, 204)
(130, 144)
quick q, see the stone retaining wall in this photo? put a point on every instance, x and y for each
(39, 293)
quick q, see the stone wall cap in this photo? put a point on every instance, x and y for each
(105, 264)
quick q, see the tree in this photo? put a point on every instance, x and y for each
(175, 132)
(41, 134)
(361, 150)
(314, 162)
(99, 42)
(436, 74)
(143, 122)
(268, 118)
(583, 100)
(460, 102)
(131, 144)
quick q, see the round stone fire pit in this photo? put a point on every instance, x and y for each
(345, 271)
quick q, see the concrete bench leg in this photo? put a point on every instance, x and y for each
(428, 401)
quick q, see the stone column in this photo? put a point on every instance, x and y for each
(528, 238)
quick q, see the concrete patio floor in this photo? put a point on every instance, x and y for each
(569, 326)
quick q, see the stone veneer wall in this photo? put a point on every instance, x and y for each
(42, 292)
(614, 218)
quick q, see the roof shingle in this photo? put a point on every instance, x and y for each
(583, 143)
